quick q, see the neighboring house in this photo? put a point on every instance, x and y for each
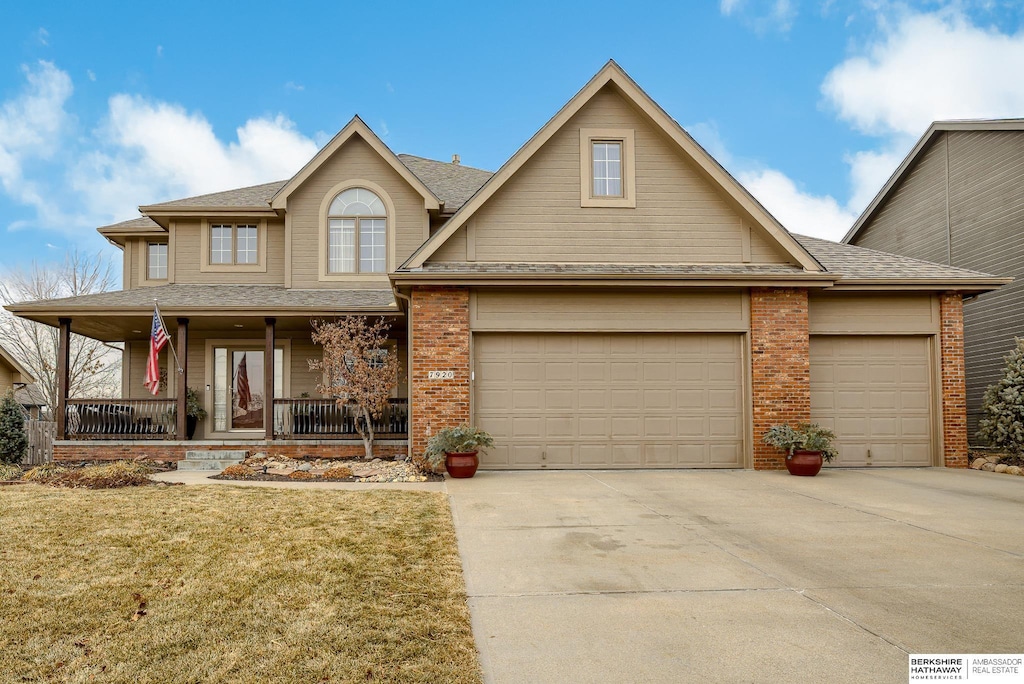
(609, 298)
(958, 199)
(13, 375)
(33, 401)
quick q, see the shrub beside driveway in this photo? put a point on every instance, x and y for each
(226, 584)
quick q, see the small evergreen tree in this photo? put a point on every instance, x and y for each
(1002, 422)
(13, 440)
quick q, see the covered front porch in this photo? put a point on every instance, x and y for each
(247, 372)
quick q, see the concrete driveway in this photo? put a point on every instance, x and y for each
(738, 576)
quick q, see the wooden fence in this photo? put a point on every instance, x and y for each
(40, 441)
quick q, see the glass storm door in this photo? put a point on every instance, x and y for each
(246, 390)
(238, 387)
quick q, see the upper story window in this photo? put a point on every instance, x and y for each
(607, 167)
(156, 261)
(234, 243)
(607, 159)
(357, 233)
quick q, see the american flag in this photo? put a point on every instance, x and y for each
(242, 385)
(157, 339)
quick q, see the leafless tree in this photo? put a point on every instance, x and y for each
(359, 369)
(94, 369)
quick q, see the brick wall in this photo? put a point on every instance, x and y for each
(780, 366)
(440, 341)
(115, 451)
(954, 388)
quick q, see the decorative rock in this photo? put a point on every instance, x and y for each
(305, 467)
(1014, 470)
(990, 467)
(1001, 467)
(280, 471)
(977, 463)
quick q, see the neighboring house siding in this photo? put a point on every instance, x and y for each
(679, 218)
(986, 211)
(354, 160)
(913, 221)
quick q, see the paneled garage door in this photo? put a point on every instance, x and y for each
(563, 400)
(875, 393)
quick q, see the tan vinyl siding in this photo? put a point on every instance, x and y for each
(913, 219)
(354, 160)
(608, 310)
(137, 352)
(454, 248)
(188, 256)
(679, 218)
(837, 313)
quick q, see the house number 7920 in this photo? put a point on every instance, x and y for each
(441, 375)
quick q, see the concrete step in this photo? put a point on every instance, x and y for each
(206, 464)
(214, 455)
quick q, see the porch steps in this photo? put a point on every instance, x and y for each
(212, 459)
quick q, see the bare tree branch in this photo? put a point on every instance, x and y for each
(94, 369)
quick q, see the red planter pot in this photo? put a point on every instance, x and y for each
(806, 463)
(461, 465)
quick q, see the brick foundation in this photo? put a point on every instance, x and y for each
(780, 366)
(954, 386)
(440, 342)
(175, 451)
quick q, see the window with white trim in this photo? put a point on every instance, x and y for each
(607, 167)
(357, 233)
(234, 243)
(156, 261)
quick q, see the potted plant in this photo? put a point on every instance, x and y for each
(807, 446)
(194, 411)
(457, 448)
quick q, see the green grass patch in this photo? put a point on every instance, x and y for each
(226, 584)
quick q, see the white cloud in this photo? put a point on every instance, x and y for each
(90, 74)
(925, 67)
(43, 36)
(292, 85)
(145, 151)
(159, 50)
(799, 211)
(152, 151)
(762, 15)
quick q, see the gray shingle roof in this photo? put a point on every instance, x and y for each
(453, 184)
(859, 263)
(132, 225)
(257, 298)
(252, 196)
(711, 270)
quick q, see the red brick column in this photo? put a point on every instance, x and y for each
(440, 342)
(780, 365)
(954, 387)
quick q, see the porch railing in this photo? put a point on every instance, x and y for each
(121, 419)
(325, 419)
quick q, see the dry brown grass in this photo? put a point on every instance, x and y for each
(104, 476)
(337, 473)
(226, 584)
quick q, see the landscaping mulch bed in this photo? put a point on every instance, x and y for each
(264, 468)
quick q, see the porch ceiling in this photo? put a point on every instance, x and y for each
(126, 314)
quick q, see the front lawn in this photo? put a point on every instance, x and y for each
(226, 584)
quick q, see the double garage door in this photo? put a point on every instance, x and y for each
(659, 400)
(563, 400)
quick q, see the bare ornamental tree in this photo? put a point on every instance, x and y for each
(95, 368)
(358, 368)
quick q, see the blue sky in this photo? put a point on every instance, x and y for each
(105, 106)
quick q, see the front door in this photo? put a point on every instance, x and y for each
(247, 390)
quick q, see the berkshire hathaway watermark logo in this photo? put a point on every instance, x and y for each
(980, 668)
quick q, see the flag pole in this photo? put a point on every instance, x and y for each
(156, 307)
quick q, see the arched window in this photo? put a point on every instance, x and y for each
(357, 233)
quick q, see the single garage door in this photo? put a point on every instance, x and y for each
(875, 393)
(564, 400)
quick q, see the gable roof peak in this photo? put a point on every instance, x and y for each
(706, 165)
(355, 127)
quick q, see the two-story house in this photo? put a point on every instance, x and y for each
(609, 298)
